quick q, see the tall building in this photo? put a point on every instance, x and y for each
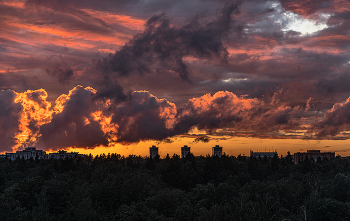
(312, 154)
(185, 150)
(217, 151)
(153, 151)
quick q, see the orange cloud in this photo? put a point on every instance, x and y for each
(341, 6)
(36, 112)
(81, 119)
(63, 37)
(14, 3)
(306, 8)
(109, 129)
(124, 20)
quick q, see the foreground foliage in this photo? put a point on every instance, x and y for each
(195, 188)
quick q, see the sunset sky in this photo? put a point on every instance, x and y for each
(119, 76)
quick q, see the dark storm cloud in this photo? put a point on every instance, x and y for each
(70, 128)
(339, 24)
(143, 117)
(112, 91)
(334, 86)
(10, 113)
(274, 118)
(140, 116)
(226, 110)
(208, 112)
(335, 120)
(292, 74)
(163, 47)
(295, 70)
(85, 118)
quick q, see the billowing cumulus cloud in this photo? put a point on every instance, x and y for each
(226, 110)
(143, 117)
(335, 120)
(21, 115)
(85, 118)
(72, 124)
(36, 111)
(223, 109)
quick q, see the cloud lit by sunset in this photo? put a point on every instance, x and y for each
(118, 76)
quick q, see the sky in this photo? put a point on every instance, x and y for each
(119, 76)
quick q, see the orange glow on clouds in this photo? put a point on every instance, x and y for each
(123, 20)
(38, 111)
(13, 3)
(36, 33)
(234, 104)
(35, 109)
(70, 38)
(110, 129)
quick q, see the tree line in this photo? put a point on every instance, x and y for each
(113, 187)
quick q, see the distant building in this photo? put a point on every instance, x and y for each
(27, 153)
(313, 154)
(62, 154)
(153, 151)
(11, 156)
(30, 152)
(217, 151)
(185, 150)
(262, 154)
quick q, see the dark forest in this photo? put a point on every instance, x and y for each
(112, 187)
